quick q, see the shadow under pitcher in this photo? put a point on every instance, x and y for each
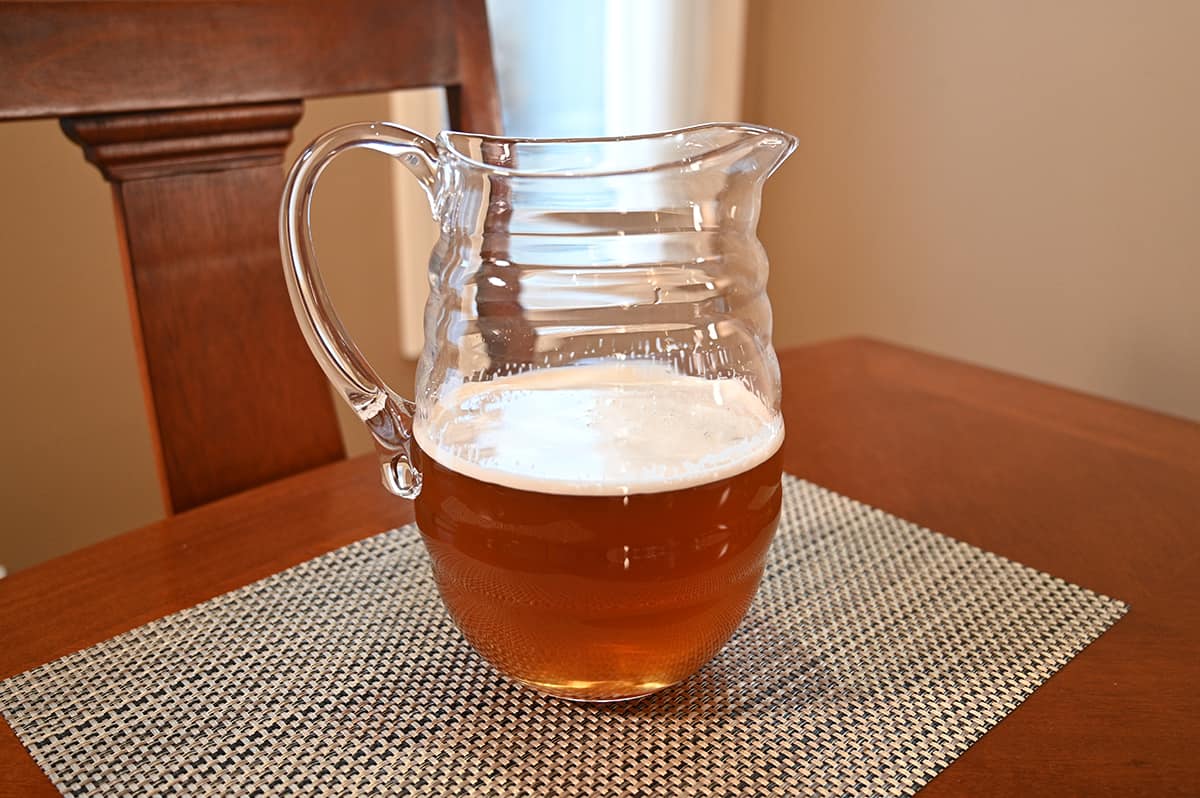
(595, 445)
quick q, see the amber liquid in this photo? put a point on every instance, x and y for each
(598, 597)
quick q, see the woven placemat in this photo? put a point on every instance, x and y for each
(875, 653)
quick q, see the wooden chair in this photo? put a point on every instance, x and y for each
(186, 108)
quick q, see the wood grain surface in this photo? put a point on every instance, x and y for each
(234, 396)
(1098, 493)
(67, 58)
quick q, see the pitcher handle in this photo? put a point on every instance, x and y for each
(387, 415)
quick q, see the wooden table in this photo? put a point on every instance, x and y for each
(1095, 492)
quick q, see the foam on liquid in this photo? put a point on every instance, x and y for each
(600, 430)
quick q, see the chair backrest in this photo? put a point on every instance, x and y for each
(186, 108)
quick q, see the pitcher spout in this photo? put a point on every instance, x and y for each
(757, 149)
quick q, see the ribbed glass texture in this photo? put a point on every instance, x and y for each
(555, 253)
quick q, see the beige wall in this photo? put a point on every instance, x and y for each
(77, 462)
(1012, 183)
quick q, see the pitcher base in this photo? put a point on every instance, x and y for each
(609, 692)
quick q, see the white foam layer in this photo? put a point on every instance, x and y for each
(600, 430)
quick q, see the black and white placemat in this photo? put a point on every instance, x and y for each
(875, 653)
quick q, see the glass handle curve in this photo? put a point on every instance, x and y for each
(387, 415)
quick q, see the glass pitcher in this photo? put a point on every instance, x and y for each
(594, 447)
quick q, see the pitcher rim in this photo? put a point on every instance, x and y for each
(445, 141)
